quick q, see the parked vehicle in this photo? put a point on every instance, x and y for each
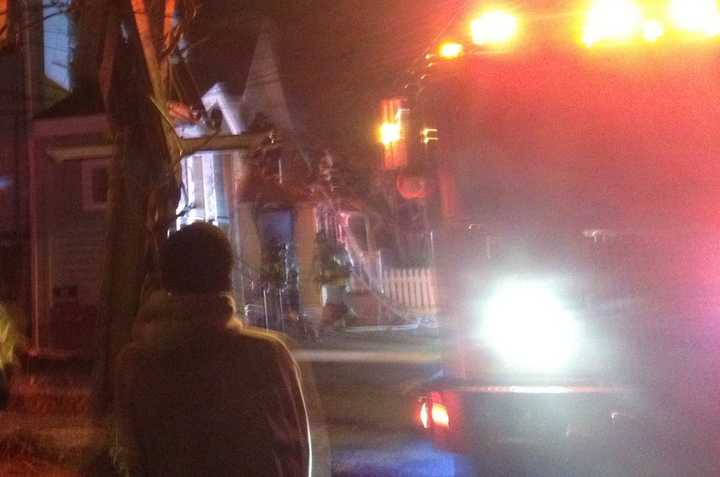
(571, 234)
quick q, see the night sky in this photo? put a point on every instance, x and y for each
(339, 58)
(618, 128)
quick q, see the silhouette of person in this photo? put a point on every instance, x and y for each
(197, 393)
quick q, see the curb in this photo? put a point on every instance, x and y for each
(386, 357)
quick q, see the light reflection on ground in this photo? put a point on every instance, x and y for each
(406, 458)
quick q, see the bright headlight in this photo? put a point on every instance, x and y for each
(527, 324)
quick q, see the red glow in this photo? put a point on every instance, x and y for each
(440, 415)
(642, 124)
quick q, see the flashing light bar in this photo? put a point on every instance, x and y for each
(695, 16)
(620, 21)
(450, 50)
(494, 28)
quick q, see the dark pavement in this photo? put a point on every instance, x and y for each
(363, 409)
(365, 384)
(368, 400)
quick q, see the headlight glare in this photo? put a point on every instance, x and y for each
(529, 326)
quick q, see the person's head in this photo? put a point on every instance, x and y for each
(196, 259)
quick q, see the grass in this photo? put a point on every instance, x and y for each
(24, 453)
(47, 429)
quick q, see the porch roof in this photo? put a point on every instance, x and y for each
(80, 102)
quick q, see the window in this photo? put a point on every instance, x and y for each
(204, 199)
(192, 205)
(58, 44)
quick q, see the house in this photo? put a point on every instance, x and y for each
(12, 132)
(69, 147)
(20, 64)
(259, 202)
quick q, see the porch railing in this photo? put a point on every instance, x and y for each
(408, 293)
(413, 288)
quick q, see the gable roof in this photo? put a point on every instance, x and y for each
(221, 43)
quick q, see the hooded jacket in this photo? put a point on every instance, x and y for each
(199, 394)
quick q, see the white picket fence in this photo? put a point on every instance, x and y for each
(407, 292)
(413, 288)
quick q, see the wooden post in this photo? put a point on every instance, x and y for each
(143, 186)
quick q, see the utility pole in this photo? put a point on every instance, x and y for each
(144, 179)
(129, 77)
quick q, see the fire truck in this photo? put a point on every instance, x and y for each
(567, 158)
